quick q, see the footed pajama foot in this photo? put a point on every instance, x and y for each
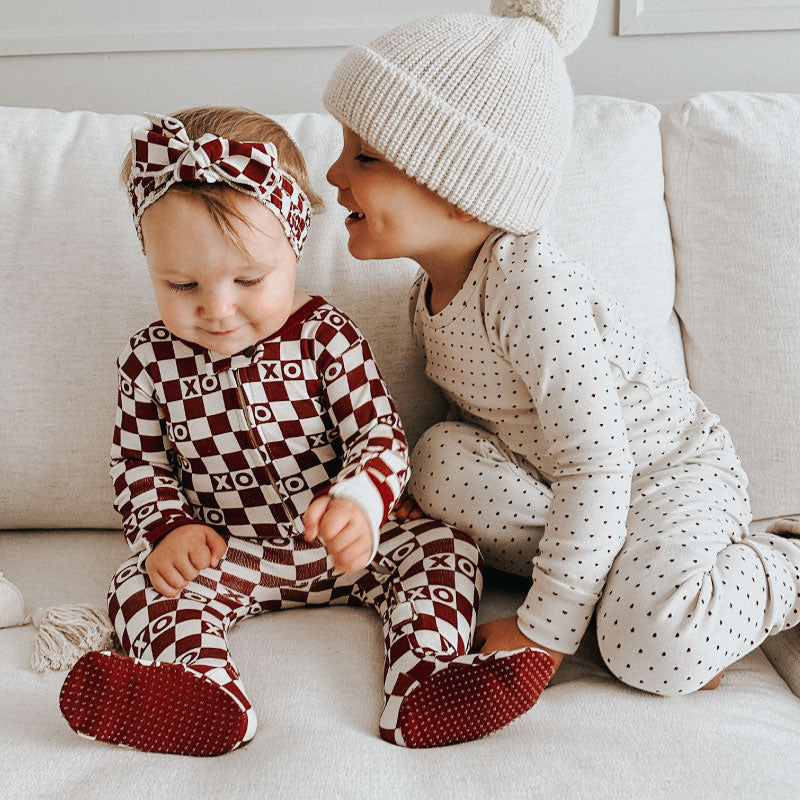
(468, 697)
(154, 706)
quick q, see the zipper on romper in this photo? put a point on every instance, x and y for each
(251, 432)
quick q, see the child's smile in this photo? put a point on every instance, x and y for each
(353, 217)
(394, 216)
(391, 215)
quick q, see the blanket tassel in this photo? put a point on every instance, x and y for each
(65, 633)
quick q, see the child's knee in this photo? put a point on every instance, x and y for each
(128, 571)
(651, 648)
(436, 445)
(445, 547)
(432, 461)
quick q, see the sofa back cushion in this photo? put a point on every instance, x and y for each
(732, 163)
(76, 285)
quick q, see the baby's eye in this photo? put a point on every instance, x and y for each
(181, 287)
(253, 282)
(364, 159)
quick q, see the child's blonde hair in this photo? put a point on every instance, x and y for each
(243, 125)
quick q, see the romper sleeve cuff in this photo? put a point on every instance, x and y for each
(361, 490)
(554, 614)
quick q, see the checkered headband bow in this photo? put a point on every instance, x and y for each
(163, 155)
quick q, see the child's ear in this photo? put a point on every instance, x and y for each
(460, 216)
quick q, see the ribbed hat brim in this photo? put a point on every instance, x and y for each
(438, 145)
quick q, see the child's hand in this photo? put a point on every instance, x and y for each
(343, 528)
(504, 634)
(407, 508)
(181, 555)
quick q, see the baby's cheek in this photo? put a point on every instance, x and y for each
(170, 310)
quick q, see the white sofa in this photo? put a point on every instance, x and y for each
(719, 212)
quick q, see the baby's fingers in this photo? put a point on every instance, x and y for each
(352, 557)
(203, 554)
(199, 558)
(312, 517)
(167, 581)
(217, 547)
(337, 543)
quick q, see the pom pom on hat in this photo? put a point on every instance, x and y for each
(568, 20)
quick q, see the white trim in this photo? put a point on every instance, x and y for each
(57, 40)
(361, 490)
(638, 17)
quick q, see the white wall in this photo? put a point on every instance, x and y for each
(283, 79)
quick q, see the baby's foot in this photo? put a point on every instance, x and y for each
(154, 706)
(470, 697)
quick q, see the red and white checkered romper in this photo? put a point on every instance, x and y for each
(243, 443)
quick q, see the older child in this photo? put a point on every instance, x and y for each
(257, 456)
(573, 457)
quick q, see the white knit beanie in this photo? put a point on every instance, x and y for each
(477, 108)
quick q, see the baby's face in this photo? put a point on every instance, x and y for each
(208, 292)
(392, 215)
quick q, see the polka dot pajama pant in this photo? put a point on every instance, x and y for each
(690, 592)
(424, 583)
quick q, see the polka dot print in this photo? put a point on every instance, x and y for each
(573, 457)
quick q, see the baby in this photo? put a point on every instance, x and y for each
(257, 457)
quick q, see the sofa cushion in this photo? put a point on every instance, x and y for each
(732, 163)
(314, 676)
(78, 284)
(609, 212)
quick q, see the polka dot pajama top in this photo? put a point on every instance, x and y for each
(570, 439)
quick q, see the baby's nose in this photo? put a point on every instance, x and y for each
(218, 306)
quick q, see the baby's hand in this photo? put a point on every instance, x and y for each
(343, 528)
(181, 555)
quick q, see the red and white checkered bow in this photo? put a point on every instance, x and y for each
(163, 155)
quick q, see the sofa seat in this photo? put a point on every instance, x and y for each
(314, 678)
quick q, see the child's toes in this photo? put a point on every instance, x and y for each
(715, 681)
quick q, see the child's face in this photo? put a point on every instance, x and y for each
(207, 290)
(392, 215)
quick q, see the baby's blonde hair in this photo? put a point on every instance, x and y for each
(243, 125)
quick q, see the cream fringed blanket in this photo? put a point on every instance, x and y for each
(786, 525)
(63, 633)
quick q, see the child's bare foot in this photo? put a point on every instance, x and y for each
(714, 682)
(504, 634)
